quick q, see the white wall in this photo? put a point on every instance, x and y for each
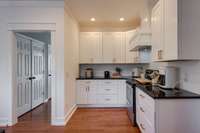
(71, 61)
(35, 14)
(190, 75)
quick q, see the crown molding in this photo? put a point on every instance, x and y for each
(32, 3)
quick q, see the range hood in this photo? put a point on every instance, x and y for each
(141, 40)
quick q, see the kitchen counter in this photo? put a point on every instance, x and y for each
(154, 91)
(159, 93)
(102, 78)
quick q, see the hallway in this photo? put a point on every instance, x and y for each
(83, 121)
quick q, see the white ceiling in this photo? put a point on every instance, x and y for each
(108, 12)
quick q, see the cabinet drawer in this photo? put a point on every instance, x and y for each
(146, 106)
(108, 83)
(144, 125)
(107, 90)
(144, 99)
(107, 99)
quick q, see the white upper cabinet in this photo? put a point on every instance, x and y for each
(171, 29)
(113, 47)
(109, 47)
(175, 29)
(157, 32)
(90, 47)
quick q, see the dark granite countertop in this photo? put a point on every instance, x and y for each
(157, 92)
(102, 78)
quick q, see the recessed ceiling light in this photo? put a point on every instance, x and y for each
(92, 19)
(146, 20)
(121, 19)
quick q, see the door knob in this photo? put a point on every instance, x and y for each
(31, 78)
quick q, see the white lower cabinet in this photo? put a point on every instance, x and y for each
(167, 115)
(145, 112)
(101, 92)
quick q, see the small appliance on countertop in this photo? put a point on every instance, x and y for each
(168, 77)
(89, 73)
(106, 74)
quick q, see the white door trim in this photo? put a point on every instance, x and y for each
(14, 27)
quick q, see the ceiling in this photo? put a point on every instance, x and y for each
(108, 12)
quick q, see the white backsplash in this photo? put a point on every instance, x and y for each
(99, 69)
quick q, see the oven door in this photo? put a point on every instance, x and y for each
(130, 102)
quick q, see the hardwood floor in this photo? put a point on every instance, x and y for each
(83, 121)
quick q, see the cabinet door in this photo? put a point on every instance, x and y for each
(91, 94)
(137, 108)
(157, 32)
(82, 89)
(90, 47)
(122, 92)
(113, 47)
(130, 56)
(171, 29)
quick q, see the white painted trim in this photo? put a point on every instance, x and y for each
(63, 121)
(13, 27)
(31, 26)
(32, 3)
(101, 106)
(5, 122)
(70, 113)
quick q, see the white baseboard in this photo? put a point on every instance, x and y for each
(70, 113)
(5, 122)
(102, 106)
(45, 101)
(63, 121)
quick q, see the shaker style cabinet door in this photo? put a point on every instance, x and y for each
(171, 29)
(90, 47)
(113, 47)
(157, 32)
(82, 89)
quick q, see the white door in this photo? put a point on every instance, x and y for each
(23, 75)
(38, 83)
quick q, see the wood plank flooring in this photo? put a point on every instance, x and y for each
(83, 121)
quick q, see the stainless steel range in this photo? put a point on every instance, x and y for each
(131, 102)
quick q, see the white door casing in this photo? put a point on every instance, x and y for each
(50, 71)
(23, 74)
(38, 73)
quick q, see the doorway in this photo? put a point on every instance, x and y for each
(34, 70)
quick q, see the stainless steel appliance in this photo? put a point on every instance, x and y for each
(167, 77)
(106, 74)
(89, 73)
(131, 102)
